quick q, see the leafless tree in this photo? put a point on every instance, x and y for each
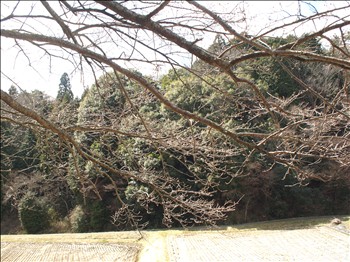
(112, 36)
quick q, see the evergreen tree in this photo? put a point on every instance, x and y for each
(65, 93)
(13, 91)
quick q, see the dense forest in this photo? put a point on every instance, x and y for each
(242, 134)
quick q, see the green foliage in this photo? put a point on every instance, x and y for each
(19, 144)
(102, 102)
(217, 47)
(98, 216)
(4, 206)
(151, 161)
(33, 214)
(78, 220)
(167, 80)
(210, 94)
(39, 102)
(269, 72)
(18, 152)
(65, 94)
(137, 152)
(266, 195)
(134, 189)
(91, 217)
(152, 214)
(199, 96)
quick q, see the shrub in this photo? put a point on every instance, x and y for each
(33, 214)
(60, 226)
(98, 216)
(78, 220)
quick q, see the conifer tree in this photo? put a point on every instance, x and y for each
(65, 93)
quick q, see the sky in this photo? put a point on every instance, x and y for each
(40, 73)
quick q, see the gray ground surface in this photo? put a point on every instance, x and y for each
(317, 244)
(56, 252)
(252, 242)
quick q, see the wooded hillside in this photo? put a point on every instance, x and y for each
(256, 127)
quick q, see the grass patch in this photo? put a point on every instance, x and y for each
(294, 223)
(128, 237)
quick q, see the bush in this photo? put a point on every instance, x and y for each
(91, 217)
(78, 220)
(98, 216)
(33, 214)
